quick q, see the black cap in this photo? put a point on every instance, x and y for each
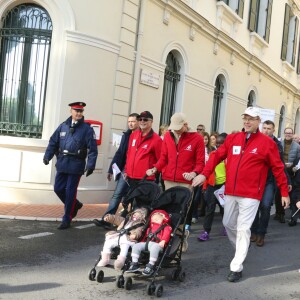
(146, 114)
(77, 105)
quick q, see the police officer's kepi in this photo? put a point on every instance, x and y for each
(77, 105)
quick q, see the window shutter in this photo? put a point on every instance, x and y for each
(241, 8)
(298, 61)
(295, 41)
(253, 15)
(268, 24)
(285, 32)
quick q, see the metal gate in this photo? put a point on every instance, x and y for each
(216, 109)
(170, 88)
(25, 49)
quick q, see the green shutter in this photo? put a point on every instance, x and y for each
(285, 32)
(241, 8)
(253, 15)
(268, 24)
(295, 41)
(298, 61)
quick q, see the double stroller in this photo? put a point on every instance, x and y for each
(175, 202)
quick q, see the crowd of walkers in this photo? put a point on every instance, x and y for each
(251, 167)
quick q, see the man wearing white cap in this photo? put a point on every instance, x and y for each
(249, 156)
(181, 159)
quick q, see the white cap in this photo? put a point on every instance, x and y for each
(252, 111)
(177, 121)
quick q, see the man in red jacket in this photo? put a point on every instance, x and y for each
(181, 159)
(143, 150)
(249, 156)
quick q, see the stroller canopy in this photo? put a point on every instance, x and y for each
(175, 201)
(143, 193)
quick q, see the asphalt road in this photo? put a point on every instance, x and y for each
(55, 265)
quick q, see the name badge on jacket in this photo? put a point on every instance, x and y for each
(236, 150)
(133, 143)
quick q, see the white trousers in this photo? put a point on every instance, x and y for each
(239, 214)
(109, 244)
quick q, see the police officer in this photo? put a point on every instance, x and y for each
(72, 142)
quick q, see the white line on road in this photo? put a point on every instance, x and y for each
(32, 236)
(85, 226)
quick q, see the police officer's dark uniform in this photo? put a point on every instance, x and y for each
(72, 142)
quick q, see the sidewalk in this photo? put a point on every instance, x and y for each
(48, 212)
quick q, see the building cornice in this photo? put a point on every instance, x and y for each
(82, 38)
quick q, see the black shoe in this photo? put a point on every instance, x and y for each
(149, 270)
(78, 206)
(64, 225)
(292, 223)
(133, 268)
(234, 276)
(282, 219)
(100, 223)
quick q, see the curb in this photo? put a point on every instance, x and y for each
(43, 219)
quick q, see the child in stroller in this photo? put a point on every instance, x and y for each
(175, 203)
(129, 231)
(155, 240)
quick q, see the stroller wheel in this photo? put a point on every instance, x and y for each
(128, 283)
(159, 290)
(175, 274)
(150, 288)
(92, 274)
(120, 281)
(100, 276)
(181, 277)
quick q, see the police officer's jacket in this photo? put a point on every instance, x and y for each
(72, 145)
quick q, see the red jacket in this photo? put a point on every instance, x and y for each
(165, 233)
(187, 156)
(248, 164)
(142, 154)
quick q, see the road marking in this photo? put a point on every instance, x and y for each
(32, 236)
(85, 226)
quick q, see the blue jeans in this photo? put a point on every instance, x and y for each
(261, 221)
(120, 191)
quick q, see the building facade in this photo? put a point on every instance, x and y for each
(209, 59)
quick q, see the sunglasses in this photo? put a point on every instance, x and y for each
(79, 110)
(144, 119)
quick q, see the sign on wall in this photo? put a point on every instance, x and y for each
(150, 79)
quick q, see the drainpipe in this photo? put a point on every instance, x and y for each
(137, 62)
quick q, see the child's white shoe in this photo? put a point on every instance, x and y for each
(105, 260)
(119, 262)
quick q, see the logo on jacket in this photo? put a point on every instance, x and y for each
(254, 151)
(145, 146)
(62, 133)
(188, 148)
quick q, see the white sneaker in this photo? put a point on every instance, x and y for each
(185, 242)
(194, 220)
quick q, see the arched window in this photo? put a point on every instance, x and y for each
(25, 49)
(281, 121)
(251, 99)
(216, 109)
(172, 77)
(297, 122)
